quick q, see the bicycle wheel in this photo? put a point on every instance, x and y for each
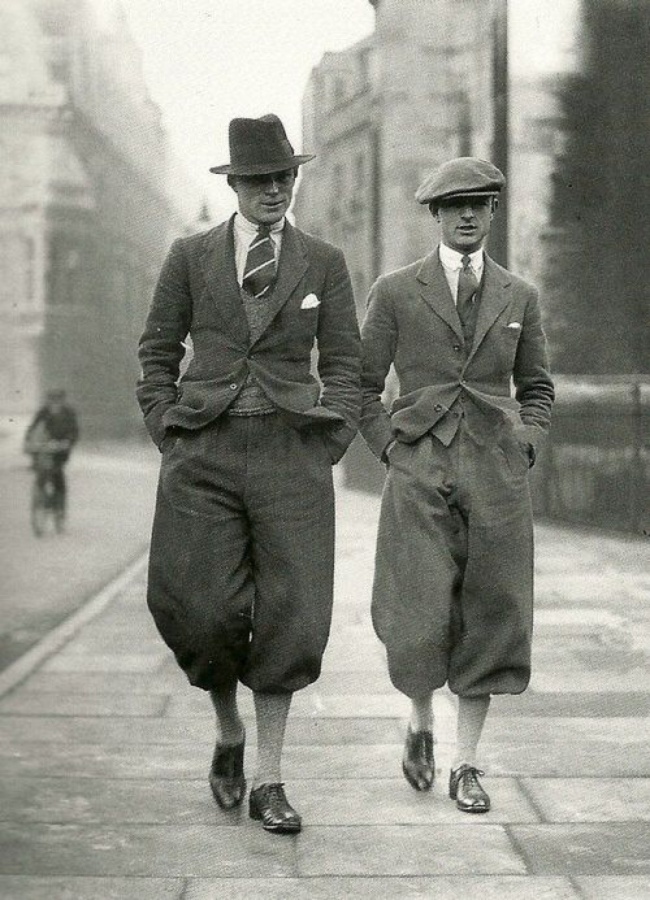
(39, 512)
(59, 519)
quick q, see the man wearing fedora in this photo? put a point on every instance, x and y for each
(242, 552)
(453, 589)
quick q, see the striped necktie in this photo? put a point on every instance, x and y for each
(259, 272)
(467, 288)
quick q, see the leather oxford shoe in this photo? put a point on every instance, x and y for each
(268, 804)
(417, 761)
(227, 775)
(466, 790)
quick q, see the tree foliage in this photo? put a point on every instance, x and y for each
(598, 275)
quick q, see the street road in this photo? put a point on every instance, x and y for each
(112, 492)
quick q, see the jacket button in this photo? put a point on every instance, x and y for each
(457, 348)
(233, 387)
(437, 407)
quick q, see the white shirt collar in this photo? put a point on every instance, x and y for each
(246, 227)
(451, 259)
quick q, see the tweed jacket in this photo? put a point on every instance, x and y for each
(198, 294)
(412, 323)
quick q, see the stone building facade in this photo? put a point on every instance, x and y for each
(85, 216)
(422, 88)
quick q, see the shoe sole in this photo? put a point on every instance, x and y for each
(274, 829)
(414, 784)
(220, 803)
(287, 828)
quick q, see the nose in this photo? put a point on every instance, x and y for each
(467, 211)
(272, 186)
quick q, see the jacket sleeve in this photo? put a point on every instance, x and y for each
(378, 345)
(161, 345)
(534, 388)
(339, 354)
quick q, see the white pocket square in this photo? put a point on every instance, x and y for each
(514, 325)
(310, 301)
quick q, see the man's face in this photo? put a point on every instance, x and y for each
(264, 199)
(465, 222)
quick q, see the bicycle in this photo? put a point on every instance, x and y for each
(48, 497)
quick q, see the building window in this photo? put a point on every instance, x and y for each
(17, 264)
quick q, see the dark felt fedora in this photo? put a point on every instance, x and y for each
(258, 147)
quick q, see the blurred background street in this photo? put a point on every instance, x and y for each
(112, 491)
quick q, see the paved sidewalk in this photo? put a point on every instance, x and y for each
(104, 752)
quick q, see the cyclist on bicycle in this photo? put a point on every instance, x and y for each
(53, 431)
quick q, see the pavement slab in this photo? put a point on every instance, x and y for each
(408, 850)
(30, 887)
(488, 887)
(199, 731)
(150, 851)
(167, 801)
(605, 848)
(607, 887)
(590, 799)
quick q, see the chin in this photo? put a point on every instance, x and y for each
(270, 218)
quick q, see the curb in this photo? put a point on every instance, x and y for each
(55, 639)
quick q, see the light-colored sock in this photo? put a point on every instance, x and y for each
(230, 728)
(472, 712)
(271, 712)
(422, 713)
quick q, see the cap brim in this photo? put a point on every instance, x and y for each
(441, 198)
(263, 168)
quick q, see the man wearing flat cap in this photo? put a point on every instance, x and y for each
(242, 552)
(453, 589)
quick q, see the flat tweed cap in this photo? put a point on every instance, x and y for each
(466, 176)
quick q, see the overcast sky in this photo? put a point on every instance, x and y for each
(207, 61)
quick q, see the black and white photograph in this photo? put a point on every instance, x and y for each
(325, 449)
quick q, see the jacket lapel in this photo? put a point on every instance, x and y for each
(292, 266)
(434, 289)
(218, 263)
(495, 296)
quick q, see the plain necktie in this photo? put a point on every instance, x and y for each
(467, 288)
(259, 271)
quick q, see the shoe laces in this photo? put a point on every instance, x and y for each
(470, 774)
(275, 793)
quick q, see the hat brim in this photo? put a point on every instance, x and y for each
(454, 195)
(263, 168)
